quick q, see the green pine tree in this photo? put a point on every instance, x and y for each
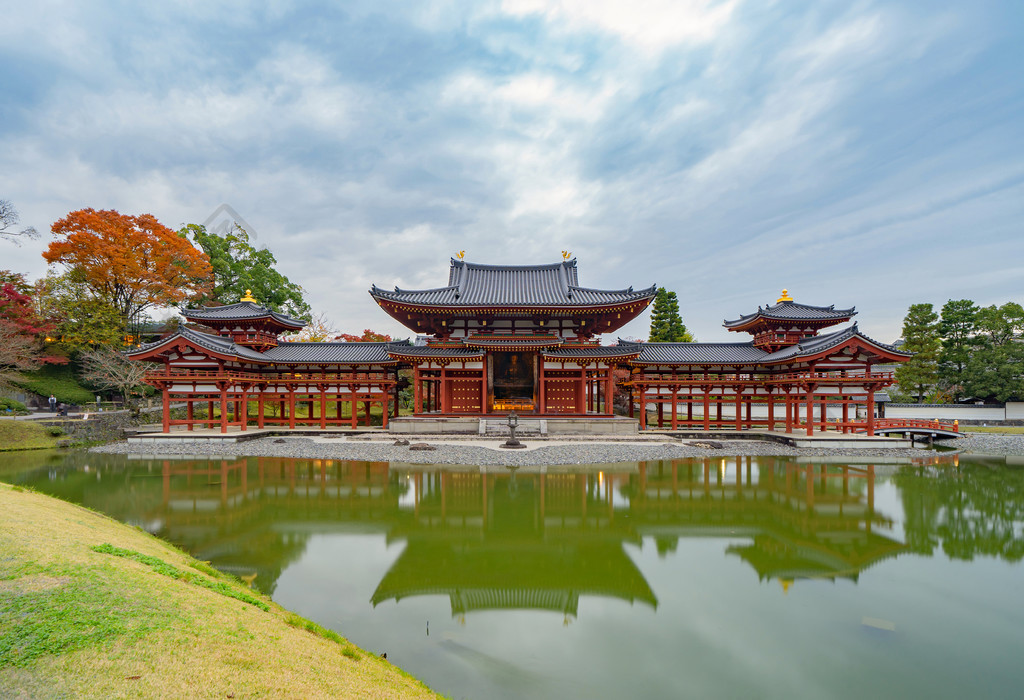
(666, 324)
(957, 328)
(920, 373)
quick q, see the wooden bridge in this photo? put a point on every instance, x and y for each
(911, 427)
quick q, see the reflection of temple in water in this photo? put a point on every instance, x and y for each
(535, 539)
(803, 520)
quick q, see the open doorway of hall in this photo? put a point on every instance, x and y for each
(512, 382)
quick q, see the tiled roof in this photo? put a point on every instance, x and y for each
(333, 353)
(243, 310)
(820, 343)
(427, 352)
(213, 343)
(697, 353)
(790, 310)
(472, 284)
(285, 353)
(746, 353)
(592, 351)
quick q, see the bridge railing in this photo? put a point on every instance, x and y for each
(935, 424)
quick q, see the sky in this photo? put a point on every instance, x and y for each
(866, 154)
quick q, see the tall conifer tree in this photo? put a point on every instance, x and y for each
(921, 337)
(666, 324)
(957, 329)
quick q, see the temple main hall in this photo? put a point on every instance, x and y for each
(526, 339)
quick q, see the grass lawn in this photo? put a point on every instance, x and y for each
(25, 435)
(91, 608)
(1005, 430)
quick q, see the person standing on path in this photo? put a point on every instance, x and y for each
(53, 403)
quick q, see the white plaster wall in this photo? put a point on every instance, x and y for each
(982, 413)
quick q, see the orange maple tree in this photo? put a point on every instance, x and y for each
(133, 262)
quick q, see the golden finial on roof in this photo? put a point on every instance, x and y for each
(248, 296)
(461, 255)
(566, 255)
(785, 297)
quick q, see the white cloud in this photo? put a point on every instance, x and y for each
(648, 25)
(724, 149)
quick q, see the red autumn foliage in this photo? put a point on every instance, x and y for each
(368, 336)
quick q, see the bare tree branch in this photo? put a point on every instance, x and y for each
(111, 369)
(8, 219)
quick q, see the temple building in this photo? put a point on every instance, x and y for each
(501, 338)
(513, 338)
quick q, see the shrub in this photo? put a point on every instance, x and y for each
(54, 431)
(59, 380)
(13, 406)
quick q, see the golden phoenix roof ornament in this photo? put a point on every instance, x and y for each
(461, 255)
(566, 255)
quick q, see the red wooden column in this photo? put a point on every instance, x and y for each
(397, 394)
(846, 413)
(871, 410)
(223, 407)
(243, 414)
(190, 413)
(771, 411)
(323, 406)
(542, 404)
(789, 412)
(260, 409)
(354, 419)
(810, 411)
(739, 408)
(707, 407)
(643, 407)
(443, 388)
(675, 405)
(581, 391)
(483, 382)
(417, 396)
(291, 407)
(165, 398)
(609, 392)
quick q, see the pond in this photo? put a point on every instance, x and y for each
(728, 577)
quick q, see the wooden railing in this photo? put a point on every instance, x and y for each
(888, 423)
(761, 380)
(305, 377)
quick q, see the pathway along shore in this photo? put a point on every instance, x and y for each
(551, 453)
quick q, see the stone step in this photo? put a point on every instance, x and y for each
(499, 428)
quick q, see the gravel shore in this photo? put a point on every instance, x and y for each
(487, 453)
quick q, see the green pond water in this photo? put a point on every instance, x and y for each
(736, 577)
